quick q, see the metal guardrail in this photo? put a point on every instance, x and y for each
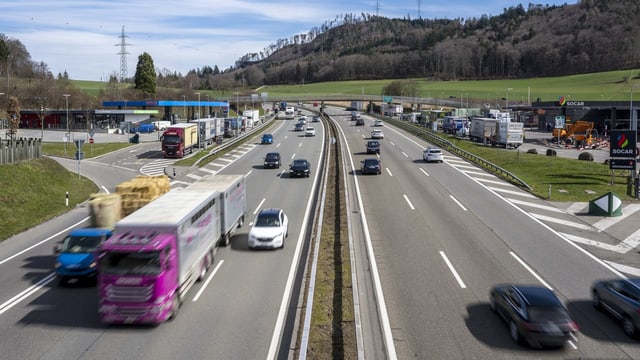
(433, 138)
(238, 139)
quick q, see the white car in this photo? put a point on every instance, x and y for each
(377, 134)
(269, 229)
(432, 154)
(378, 123)
(310, 132)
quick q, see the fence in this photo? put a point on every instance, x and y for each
(22, 149)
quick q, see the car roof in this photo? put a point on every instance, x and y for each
(269, 212)
(273, 154)
(371, 160)
(267, 134)
(299, 161)
(538, 295)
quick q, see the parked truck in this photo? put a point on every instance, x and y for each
(157, 253)
(482, 129)
(508, 134)
(232, 189)
(76, 255)
(179, 140)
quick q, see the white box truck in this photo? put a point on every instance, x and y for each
(508, 134)
(207, 131)
(232, 189)
(482, 129)
(252, 117)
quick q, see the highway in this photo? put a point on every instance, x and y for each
(441, 239)
(239, 311)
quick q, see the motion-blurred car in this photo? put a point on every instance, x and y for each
(315, 118)
(534, 314)
(359, 121)
(299, 127)
(432, 154)
(267, 139)
(378, 123)
(621, 298)
(310, 132)
(272, 160)
(371, 166)
(300, 168)
(377, 134)
(269, 229)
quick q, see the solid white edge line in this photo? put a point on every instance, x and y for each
(453, 270)
(206, 283)
(530, 270)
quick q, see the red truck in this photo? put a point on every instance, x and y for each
(179, 140)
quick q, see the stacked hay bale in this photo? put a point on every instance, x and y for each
(141, 190)
(105, 210)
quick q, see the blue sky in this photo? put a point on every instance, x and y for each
(82, 36)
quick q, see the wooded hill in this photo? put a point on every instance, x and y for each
(591, 36)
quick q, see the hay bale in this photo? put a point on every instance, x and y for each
(105, 210)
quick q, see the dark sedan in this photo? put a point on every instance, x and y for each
(534, 315)
(272, 160)
(621, 298)
(300, 168)
(371, 166)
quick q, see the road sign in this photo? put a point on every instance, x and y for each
(79, 143)
(90, 140)
(387, 98)
(559, 122)
(92, 133)
(622, 164)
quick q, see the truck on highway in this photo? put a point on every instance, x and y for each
(252, 117)
(157, 253)
(232, 189)
(179, 140)
(482, 129)
(209, 129)
(508, 134)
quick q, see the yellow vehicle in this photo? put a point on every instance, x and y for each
(578, 133)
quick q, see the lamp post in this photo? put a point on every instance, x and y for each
(506, 101)
(198, 103)
(184, 106)
(207, 106)
(2, 122)
(41, 122)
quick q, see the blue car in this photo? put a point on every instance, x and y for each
(267, 139)
(76, 256)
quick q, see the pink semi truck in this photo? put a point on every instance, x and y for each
(158, 252)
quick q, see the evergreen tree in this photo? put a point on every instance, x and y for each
(145, 78)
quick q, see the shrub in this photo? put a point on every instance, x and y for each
(551, 152)
(587, 156)
(532, 151)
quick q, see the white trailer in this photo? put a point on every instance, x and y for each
(208, 130)
(482, 129)
(508, 134)
(252, 117)
(233, 197)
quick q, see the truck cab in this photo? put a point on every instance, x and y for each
(76, 256)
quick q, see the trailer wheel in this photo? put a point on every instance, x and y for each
(225, 240)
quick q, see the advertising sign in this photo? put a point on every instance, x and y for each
(622, 149)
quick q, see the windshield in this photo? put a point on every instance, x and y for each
(299, 164)
(371, 162)
(373, 143)
(81, 244)
(171, 139)
(272, 156)
(268, 221)
(137, 263)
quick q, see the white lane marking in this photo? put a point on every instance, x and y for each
(405, 154)
(206, 283)
(194, 176)
(506, 191)
(293, 156)
(26, 293)
(424, 172)
(610, 221)
(479, 173)
(495, 182)
(458, 202)
(537, 206)
(259, 206)
(624, 268)
(388, 171)
(530, 270)
(562, 222)
(226, 160)
(406, 198)
(622, 247)
(208, 170)
(43, 241)
(392, 143)
(453, 270)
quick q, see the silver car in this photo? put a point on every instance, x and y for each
(432, 154)
(621, 298)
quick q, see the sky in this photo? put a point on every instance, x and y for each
(83, 37)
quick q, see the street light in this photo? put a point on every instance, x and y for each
(506, 101)
(66, 100)
(198, 103)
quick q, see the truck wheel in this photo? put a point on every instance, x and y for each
(225, 240)
(175, 306)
